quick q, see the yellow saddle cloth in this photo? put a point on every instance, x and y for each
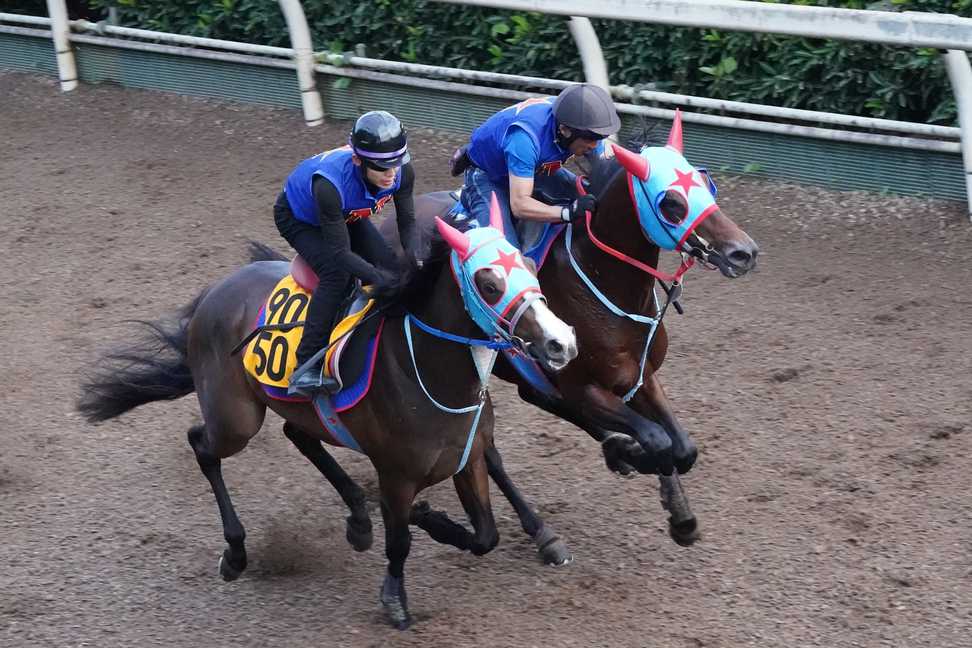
(271, 357)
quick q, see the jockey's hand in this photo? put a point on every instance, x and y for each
(577, 209)
(387, 284)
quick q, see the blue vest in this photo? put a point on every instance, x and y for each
(535, 116)
(335, 165)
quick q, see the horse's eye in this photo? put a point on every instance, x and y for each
(673, 207)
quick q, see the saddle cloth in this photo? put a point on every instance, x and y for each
(271, 357)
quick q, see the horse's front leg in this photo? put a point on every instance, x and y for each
(472, 486)
(396, 503)
(621, 453)
(553, 550)
(651, 402)
(608, 411)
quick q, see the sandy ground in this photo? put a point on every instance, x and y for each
(829, 393)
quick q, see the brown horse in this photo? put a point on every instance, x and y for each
(415, 424)
(601, 276)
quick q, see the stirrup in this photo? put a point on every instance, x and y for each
(311, 380)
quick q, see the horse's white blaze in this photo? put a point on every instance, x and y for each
(555, 329)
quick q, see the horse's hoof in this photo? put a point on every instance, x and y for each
(400, 623)
(552, 549)
(684, 533)
(556, 554)
(228, 572)
(394, 601)
(359, 534)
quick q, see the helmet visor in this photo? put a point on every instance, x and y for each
(384, 164)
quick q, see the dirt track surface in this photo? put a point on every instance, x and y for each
(829, 393)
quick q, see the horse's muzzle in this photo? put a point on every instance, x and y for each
(735, 258)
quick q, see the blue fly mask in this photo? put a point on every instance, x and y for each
(671, 196)
(506, 288)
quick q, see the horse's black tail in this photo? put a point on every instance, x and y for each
(152, 369)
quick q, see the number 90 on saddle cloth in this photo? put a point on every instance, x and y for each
(271, 357)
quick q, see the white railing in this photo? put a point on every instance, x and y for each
(909, 29)
(302, 52)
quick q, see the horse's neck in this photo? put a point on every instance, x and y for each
(447, 367)
(616, 225)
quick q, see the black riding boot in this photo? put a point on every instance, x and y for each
(317, 329)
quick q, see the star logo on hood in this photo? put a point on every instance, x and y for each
(508, 261)
(686, 181)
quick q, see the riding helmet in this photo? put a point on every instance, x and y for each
(586, 107)
(378, 138)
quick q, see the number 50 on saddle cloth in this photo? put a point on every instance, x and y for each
(271, 357)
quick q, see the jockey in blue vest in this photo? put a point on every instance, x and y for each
(519, 152)
(323, 212)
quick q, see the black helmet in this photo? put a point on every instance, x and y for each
(588, 109)
(378, 138)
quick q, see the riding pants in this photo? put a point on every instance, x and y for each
(558, 188)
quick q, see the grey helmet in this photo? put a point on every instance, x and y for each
(586, 110)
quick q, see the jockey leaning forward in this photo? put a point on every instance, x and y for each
(519, 153)
(323, 212)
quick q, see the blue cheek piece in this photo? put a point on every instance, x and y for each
(662, 164)
(490, 242)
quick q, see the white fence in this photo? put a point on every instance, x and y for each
(911, 29)
(903, 29)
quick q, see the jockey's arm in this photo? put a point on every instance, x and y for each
(408, 234)
(334, 232)
(522, 160)
(525, 206)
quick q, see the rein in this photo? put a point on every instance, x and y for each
(484, 367)
(672, 292)
(621, 256)
(483, 351)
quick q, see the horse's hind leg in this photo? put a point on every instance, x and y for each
(472, 485)
(359, 522)
(552, 549)
(233, 561)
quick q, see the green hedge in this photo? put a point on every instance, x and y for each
(833, 76)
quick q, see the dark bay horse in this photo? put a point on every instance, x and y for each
(426, 414)
(601, 276)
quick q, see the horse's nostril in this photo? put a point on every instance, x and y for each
(741, 258)
(555, 348)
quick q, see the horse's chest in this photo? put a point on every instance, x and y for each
(612, 368)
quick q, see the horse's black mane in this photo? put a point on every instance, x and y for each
(603, 169)
(412, 286)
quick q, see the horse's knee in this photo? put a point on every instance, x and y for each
(654, 439)
(686, 455)
(201, 447)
